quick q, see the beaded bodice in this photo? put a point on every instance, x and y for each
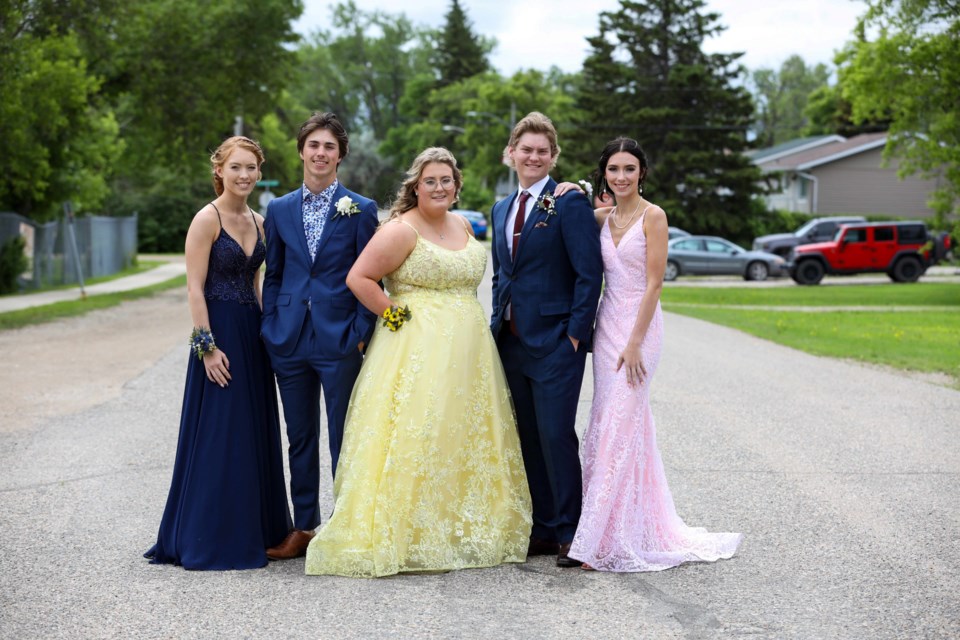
(430, 267)
(230, 271)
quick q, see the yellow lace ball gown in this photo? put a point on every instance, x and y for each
(430, 474)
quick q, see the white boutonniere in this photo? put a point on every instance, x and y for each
(347, 207)
(587, 188)
(548, 202)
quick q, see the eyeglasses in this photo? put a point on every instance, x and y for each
(444, 183)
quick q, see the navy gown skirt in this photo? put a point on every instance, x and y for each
(228, 501)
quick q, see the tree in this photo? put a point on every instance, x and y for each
(910, 73)
(472, 118)
(460, 53)
(60, 139)
(828, 112)
(647, 77)
(781, 98)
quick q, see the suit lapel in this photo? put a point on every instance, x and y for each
(500, 213)
(333, 219)
(296, 219)
(537, 214)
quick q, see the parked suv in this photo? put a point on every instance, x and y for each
(816, 230)
(903, 250)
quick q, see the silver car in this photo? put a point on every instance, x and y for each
(710, 255)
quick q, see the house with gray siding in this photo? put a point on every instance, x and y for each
(833, 175)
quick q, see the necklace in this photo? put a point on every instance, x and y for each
(616, 214)
(430, 226)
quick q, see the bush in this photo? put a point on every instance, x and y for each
(12, 264)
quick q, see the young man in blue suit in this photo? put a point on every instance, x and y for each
(547, 273)
(314, 328)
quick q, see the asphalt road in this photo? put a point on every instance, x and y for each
(843, 478)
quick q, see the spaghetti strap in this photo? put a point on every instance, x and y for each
(255, 225)
(409, 225)
(218, 214)
(465, 223)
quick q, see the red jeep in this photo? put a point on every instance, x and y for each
(903, 250)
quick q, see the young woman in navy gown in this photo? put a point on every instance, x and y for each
(227, 502)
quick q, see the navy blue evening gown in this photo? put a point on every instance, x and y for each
(227, 501)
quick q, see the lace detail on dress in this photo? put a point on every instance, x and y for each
(432, 267)
(230, 272)
(629, 521)
(430, 476)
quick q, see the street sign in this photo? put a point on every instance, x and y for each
(268, 183)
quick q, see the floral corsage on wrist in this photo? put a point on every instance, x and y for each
(346, 207)
(394, 317)
(548, 202)
(202, 342)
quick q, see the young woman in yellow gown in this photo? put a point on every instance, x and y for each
(430, 475)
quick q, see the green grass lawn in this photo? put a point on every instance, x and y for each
(46, 313)
(919, 340)
(880, 295)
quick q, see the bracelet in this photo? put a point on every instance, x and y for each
(394, 317)
(201, 342)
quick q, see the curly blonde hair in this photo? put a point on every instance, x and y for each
(406, 199)
(219, 157)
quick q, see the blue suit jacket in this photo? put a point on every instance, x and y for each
(291, 279)
(554, 281)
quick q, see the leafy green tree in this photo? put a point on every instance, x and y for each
(781, 98)
(828, 112)
(910, 73)
(61, 140)
(472, 118)
(460, 52)
(648, 77)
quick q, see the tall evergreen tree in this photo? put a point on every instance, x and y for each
(648, 77)
(461, 54)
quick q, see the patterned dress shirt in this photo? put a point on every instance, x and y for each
(316, 210)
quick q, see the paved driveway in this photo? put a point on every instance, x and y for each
(843, 478)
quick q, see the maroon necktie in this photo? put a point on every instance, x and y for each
(517, 227)
(518, 222)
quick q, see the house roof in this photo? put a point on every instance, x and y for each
(802, 159)
(791, 146)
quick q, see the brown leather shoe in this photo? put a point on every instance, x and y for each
(540, 547)
(563, 558)
(293, 546)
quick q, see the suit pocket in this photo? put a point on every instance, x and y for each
(283, 300)
(554, 308)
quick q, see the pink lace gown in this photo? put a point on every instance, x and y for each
(629, 522)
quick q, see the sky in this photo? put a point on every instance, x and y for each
(767, 32)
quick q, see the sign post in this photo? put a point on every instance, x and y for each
(72, 235)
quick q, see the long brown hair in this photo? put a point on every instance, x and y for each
(219, 157)
(406, 199)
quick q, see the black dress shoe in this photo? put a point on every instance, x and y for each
(563, 558)
(539, 547)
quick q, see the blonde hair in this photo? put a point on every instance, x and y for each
(535, 122)
(406, 198)
(219, 157)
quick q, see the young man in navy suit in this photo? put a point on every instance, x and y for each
(313, 326)
(547, 274)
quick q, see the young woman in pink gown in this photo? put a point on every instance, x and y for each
(629, 522)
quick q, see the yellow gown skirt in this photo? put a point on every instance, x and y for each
(430, 474)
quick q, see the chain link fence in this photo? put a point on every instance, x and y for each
(104, 244)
